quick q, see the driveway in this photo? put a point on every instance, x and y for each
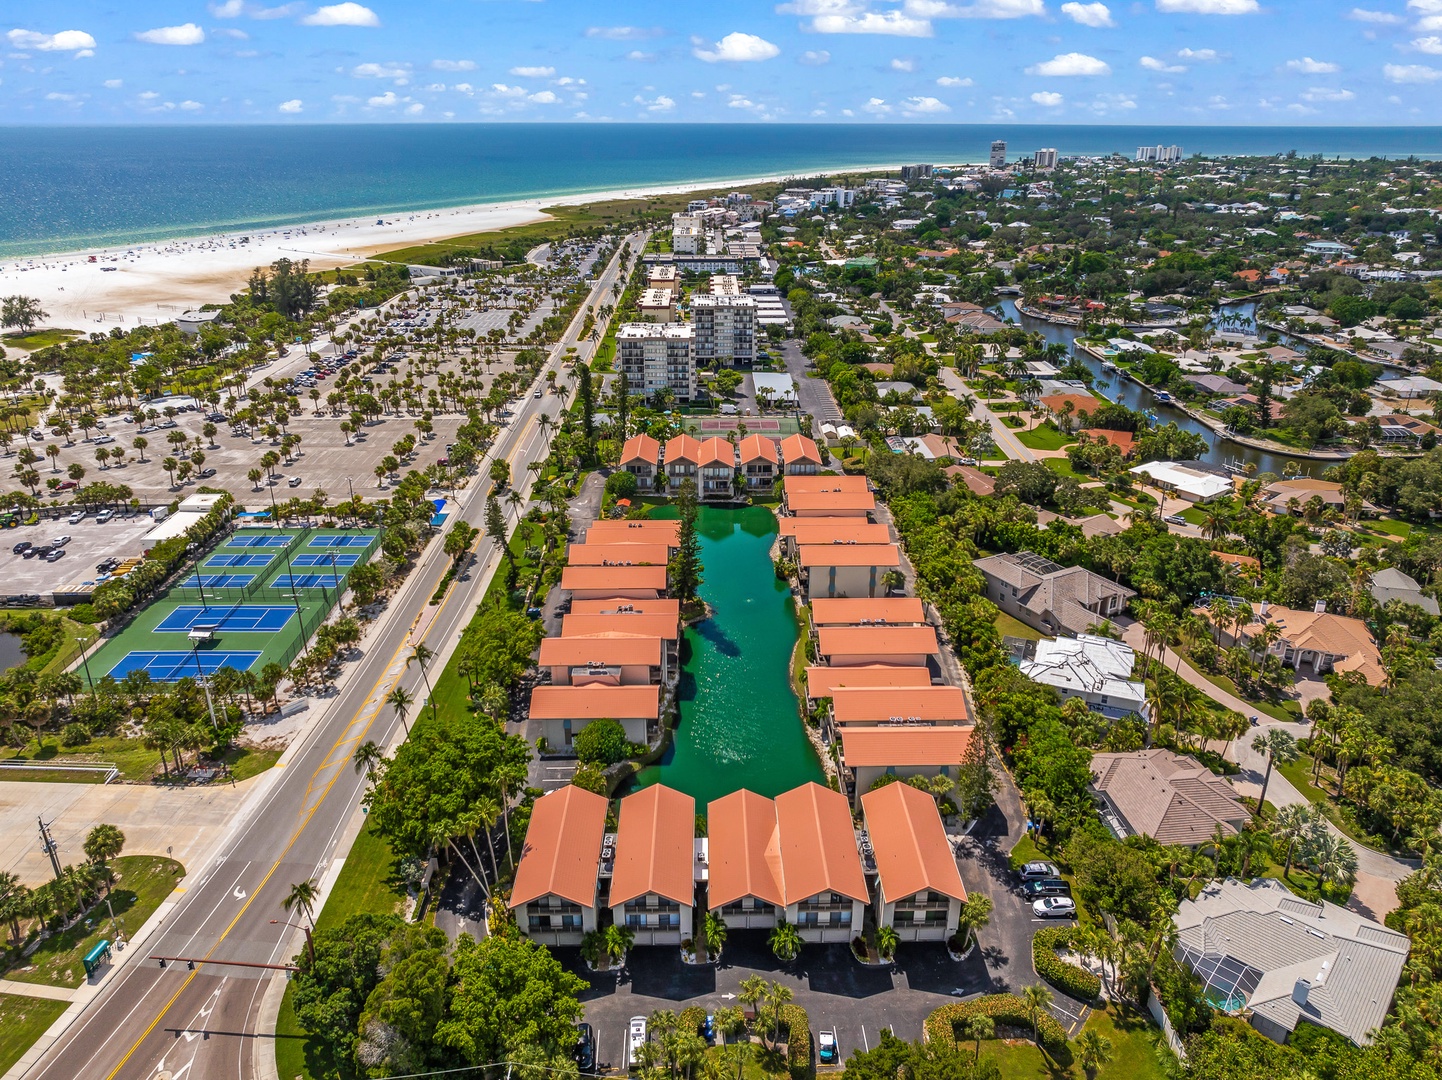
(1002, 435)
(812, 394)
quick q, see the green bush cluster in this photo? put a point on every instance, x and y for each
(798, 1041)
(1004, 1009)
(1067, 977)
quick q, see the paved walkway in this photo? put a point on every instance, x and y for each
(36, 990)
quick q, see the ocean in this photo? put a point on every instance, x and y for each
(67, 188)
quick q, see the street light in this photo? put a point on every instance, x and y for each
(309, 941)
(84, 659)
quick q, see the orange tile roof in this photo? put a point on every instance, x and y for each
(854, 612)
(654, 846)
(1122, 440)
(641, 448)
(606, 649)
(831, 500)
(625, 531)
(1081, 403)
(614, 577)
(816, 844)
(715, 451)
(595, 702)
(806, 485)
(878, 640)
(849, 555)
(629, 607)
(617, 554)
(682, 448)
(819, 530)
(799, 449)
(866, 704)
(757, 448)
(562, 853)
(635, 624)
(741, 831)
(912, 851)
(824, 681)
(1238, 560)
(903, 747)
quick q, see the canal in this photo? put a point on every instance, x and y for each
(739, 725)
(1117, 387)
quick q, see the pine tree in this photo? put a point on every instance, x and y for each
(496, 526)
(686, 565)
(623, 403)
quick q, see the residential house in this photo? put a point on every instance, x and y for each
(611, 582)
(822, 682)
(626, 531)
(1164, 795)
(799, 456)
(716, 460)
(975, 481)
(922, 706)
(1325, 641)
(1124, 441)
(653, 880)
(800, 532)
(1294, 496)
(1392, 584)
(1402, 428)
(758, 462)
(890, 610)
(744, 885)
(1095, 669)
(564, 711)
(1048, 597)
(641, 457)
(918, 889)
(827, 496)
(608, 659)
(554, 894)
(822, 881)
(1063, 406)
(870, 753)
(1215, 384)
(600, 554)
(848, 646)
(634, 617)
(682, 462)
(1185, 481)
(1280, 960)
(843, 569)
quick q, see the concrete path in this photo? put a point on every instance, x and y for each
(36, 990)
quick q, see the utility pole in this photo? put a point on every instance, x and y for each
(50, 847)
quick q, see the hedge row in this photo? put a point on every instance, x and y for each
(1067, 977)
(1004, 1009)
(798, 1042)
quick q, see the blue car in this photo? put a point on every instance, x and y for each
(708, 1028)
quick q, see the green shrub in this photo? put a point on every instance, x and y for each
(693, 1016)
(798, 1041)
(1067, 977)
(621, 485)
(602, 741)
(1004, 1009)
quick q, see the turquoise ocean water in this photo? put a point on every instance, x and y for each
(66, 188)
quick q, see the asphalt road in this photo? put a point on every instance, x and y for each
(178, 1023)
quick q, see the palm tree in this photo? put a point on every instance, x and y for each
(731, 1021)
(1095, 1050)
(303, 895)
(368, 758)
(1333, 859)
(1277, 746)
(423, 655)
(887, 939)
(979, 1028)
(618, 941)
(785, 942)
(400, 700)
(104, 843)
(975, 914)
(713, 929)
(778, 996)
(1037, 999)
(751, 991)
(16, 903)
(1292, 826)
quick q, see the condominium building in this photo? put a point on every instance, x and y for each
(724, 328)
(998, 154)
(1045, 159)
(910, 173)
(688, 235)
(656, 306)
(1159, 153)
(658, 356)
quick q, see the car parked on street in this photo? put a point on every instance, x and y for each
(104, 516)
(585, 1052)
(1054, 907)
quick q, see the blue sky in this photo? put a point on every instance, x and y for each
(880, 61)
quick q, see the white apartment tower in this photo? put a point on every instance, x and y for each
(998, 154)
(1045, 159)
(725, 328)
(1162, 154)
(657, 356)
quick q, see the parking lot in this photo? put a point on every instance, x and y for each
(92, 541)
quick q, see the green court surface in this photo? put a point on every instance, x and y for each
(237, 635)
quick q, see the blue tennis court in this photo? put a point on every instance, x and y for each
(260, 540)
(311, 559)
(219, 562)
(306, 581)
(218, 581)
(243, 618)
(170, 666)
(340, 541)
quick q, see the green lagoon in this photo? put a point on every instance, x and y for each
(739, 725)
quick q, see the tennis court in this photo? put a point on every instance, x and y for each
(218, 581)
(337, 541)
(241, 618)
(313, 559)
(259, 540)
(219, 562)
(757, 425)
(171, 666)
(306, 581)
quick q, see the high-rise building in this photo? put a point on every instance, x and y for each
(1045, 159)
(725, 329)
(911, 173)
(658, 356)
(1162, 154)
(998, 154)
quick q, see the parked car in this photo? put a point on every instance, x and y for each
(79, 516)
(55, 555)
(708, 1028)
(1035, 890)
(107, 565)
(67, 485)
(104, 516)
(1054, 907)
(30, 553)
(1175, 519)
(295, 481)
(635, 1039)
(826, 1047)
(1035, 871)
(61, 541)
(206, 474)
(22, 547)
(585, 1051)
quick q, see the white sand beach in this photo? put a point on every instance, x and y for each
(152, 283)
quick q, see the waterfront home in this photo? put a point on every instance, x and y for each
(799, 456)
(1067, 406)
(1215, 384)
(806, 485)
(858, 504)
(1392, 584)
(1124, 441)
(743, 886)
(1279, 960)
(869, 753)
(1185, 481)
(758, 462)
(627, 531)
(822, 682)
(1171, 798)
(1048, 597)
(622, 617)
(1095, 669)
(802, 531)
(611, 582)
(1319, 639)
(663, 606)
(848, 646)
(653, 878)
(641, 457)
(845, 569)
(1293, 496)
(683, 458)
(607, 659)
(920, 706)
(564, 711)
(1403, 428)
(918, 889)
(716, 461)
(891, 610)
(554, 895)
(602, 554)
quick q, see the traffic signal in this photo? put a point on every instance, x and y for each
(162, 960)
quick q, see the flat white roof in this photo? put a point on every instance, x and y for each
(1203, 485)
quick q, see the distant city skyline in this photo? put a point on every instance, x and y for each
(1204, 62)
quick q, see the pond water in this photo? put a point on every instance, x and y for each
(12, 654)
(739, 725)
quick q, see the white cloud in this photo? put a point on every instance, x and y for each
(899, 64)
(1048, 98)
(463, 88)
(741, 101)
(401, 73)
(1308, 66)
(892, 23)
(659, 104)
(454, 65)
(533, 72)
(1204, 55)
(1073, 63)
(815, 57)
(637, 56)
(232, 32)
(63, 41)
(346, 14)
(56, 95)
(436, 88)
(114, 84)
(1151, 63)
(1322, 93)
(737, 47)
(921, 106)
(294, 105)
(566, 80)
(191, 106)
(876, 106)
(231, 9)
(977, 9)
(1209, 7)
(415, 109)
(185, 34)
(1410, 73)
(147, 95)
(1384, 18)
(383, 101)
(1430, 45)
(953, 81)
(622, 33)
(508, 91)
(543, 97)
(1097, 15)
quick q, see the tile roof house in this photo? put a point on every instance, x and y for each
(921, 705)
(846, 569)
(918, 891)
(604, 659)
(1056, 404)
(1392, 584)
(1215, 384)
(1048, 597)
(758, 462)
(554, 896)
(617, 554)
(1124, 441)
(1095, 669)
(1325, 641)
(846, 646)
(823, 682)
(565, 711)
(843, 530)
(869, 753)
(1278, 497)
(1161, 794)
(683, 454)
(1281, 960)
(610, 582)
(641, 456)
(891, 610)
(626, 531)
(653, 880)
(976, 481)
(799, 456)
(717, 461)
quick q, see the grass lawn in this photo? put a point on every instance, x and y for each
(143, 882)
(1062, 467)
(22, 1021)
(1299, 773)
(1193, 516)
(38, 339)
(1288, 711)
(1010, 627)
(1135, 1055)
(1390, 526)
(135, 762)
(1043, 437)
(246, 761)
